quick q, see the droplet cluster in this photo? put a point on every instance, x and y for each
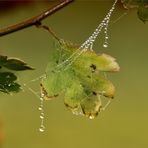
(41, 109)
(88, 44)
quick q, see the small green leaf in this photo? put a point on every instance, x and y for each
(3, 59)
(7, 79)
(141, 5)
(143, 13)
(133, 3)
(7, 82)
(17, 65)
(13, 64)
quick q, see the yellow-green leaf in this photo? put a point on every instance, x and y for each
(77, 77)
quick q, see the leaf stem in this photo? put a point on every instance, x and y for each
(47, 28)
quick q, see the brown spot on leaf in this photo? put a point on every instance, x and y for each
(45, 94)
(70, 107)
(93, 66)
(94, 93)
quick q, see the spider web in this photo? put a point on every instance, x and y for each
(87, 45)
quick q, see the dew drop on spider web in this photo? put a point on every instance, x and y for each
(105, 45)
(41, 109)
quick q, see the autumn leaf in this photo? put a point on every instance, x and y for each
(78, 78)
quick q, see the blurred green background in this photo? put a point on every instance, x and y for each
(123, 124)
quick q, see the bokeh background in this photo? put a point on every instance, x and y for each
(124, 124)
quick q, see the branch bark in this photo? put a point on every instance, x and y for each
(34, 20)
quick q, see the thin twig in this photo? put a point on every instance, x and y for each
(34, 20)
(47, 28)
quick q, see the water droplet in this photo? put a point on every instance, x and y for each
(91, 117)
(111, 10)
(41, 98)
(11, 94)
(105, 45)
(106, 37)
(42, 95)
(103, 92)
(41, 129)
(40, 108)
(42, 117)
(42, 114)
(7, 76)
(75, 111)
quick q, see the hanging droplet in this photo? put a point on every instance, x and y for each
(42, 114)
(42, 129)
(42, 117)
(105, 45)
(41, 98)
(42, 95)
(9, 84)
(77, 111)
(11, 94)
(40, 108)
(91, 117)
